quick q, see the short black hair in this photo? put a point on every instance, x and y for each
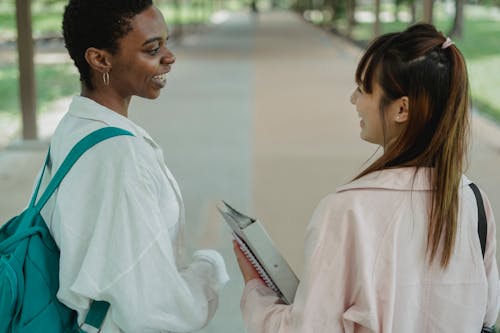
(99, 24)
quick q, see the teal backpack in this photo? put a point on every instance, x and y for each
(29, 262)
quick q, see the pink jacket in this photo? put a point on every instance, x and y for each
(366, 268)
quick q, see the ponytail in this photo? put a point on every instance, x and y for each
(424, 65)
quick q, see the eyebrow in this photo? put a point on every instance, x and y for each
(154, 39)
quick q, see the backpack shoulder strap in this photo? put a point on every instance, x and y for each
(482, 226)
(76, 152)
(95, 316)
(35, 192)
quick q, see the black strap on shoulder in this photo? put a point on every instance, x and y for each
(482, 226)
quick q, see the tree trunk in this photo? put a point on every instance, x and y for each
(396, 10)
(413, 10)
(457, 30)
(350, 12)
(377, 30)
(334, 10)
(428, 10)
(178, 20)
(26, 69)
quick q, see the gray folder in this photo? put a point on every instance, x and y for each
(260, 249)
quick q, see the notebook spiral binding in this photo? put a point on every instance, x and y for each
(265, 277)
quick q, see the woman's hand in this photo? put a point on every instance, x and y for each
(246, 268)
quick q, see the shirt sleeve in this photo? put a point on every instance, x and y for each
(116, 246)
(330, 284)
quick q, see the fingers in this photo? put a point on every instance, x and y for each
(237, 251)
(246, 268)
(240, 256)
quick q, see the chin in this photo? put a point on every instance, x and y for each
(151, 95)
(154, 96)
(369, 140)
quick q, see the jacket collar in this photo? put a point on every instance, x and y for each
(400, 179)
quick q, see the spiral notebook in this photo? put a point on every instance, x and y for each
(261, 252)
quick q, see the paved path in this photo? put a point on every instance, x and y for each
(256, 112)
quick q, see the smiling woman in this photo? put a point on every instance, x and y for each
(135, 63)
(118, 217)
(397, 249)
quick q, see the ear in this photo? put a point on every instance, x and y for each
(402, 111)
(99, 60)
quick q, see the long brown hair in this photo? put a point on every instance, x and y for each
(413, 63)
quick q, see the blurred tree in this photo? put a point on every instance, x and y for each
(339, 8)
(351, 18)
(413, 10)
(253, 7)
(411, 5)
(177, 33)
(377, 30)
(489, 2)
(303, 5)
(457, 30)
(428, 10)
(27, 90)
(52, 2)
(397, 7)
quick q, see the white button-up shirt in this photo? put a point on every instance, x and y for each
(118, 218)
(366, 268)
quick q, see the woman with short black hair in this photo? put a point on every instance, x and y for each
(118, 216)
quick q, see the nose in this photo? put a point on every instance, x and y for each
(354, 96)
(169, 58)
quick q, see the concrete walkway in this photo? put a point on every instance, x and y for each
(256, 112)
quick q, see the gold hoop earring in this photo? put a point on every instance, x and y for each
(105, 78)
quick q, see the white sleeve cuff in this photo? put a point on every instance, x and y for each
(217, 262)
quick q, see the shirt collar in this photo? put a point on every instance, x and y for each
(400, 179)
(83, 107)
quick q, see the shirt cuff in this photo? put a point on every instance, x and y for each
(255, 285)
(215, 259)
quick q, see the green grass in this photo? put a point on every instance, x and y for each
(45, 23)
(8, 90)
(52, 82)
(7, 26)
(55, 81)
(187, 16)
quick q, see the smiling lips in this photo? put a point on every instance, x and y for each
(161, 79)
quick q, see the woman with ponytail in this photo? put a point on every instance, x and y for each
(396, 249)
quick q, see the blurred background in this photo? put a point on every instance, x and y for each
(256, 110)
(473, 25)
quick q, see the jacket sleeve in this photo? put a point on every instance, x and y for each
(117, 246)
(328, 286)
